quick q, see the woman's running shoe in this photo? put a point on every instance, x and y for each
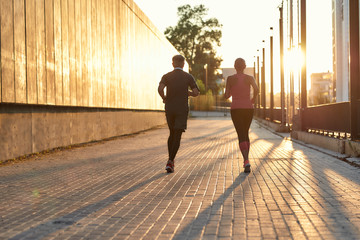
(170, 166)
(247, 166)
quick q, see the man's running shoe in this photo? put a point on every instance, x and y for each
(170, 166)
(247, 166)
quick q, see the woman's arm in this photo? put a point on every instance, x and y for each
(255, 87)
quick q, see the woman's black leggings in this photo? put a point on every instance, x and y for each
(242, 119)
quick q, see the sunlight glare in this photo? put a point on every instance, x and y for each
(295, 59)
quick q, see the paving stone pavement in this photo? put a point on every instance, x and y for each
(118, 189)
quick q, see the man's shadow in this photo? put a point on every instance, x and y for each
(44, 229)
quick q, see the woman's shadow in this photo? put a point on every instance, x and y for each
(203, 218)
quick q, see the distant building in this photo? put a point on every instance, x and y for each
(321, 91)
(231, 71)
(226, 72)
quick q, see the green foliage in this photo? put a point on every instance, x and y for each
(209, 93)
(201, 86)
(209, 100)
(197, 38)
(203, 102)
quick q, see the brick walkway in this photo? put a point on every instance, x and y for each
(119, 190)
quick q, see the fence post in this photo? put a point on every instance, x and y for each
(303, 104)
(263, 87)
(258, 83)
(271, 78)
(282, 82)
(354, 69)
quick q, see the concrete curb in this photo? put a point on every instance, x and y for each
(349, 149)
(275, 126)
(352, 148)
(343, 146)
(336, 145)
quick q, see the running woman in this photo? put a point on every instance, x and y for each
(242, 106)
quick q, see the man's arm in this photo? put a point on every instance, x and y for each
(194, 88)
(194, 92)
(161, 91)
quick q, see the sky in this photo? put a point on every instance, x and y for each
(245, 22)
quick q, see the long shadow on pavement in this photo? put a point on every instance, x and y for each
(44, 229)
(202, 219)
(316, 175)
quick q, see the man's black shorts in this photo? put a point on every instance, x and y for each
(176, 120)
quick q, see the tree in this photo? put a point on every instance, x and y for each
(201, 86)
(197, 39)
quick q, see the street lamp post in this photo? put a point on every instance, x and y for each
(303, 104)
(282, 82)
(258, 81)
(271, 77)
(206, 80)
(263, 88)
(254, 74)
(206, 77)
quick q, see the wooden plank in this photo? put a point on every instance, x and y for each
(20, 52)
(7, 51)
(84, 50)
(132, 52)
(65, 51)
(50, 52)
(59, 97)
(94, 50)
(78, 34)
(31, 85)
(72, 53)
(103, 53)
(140, 96)
(95, 33)
(99, 74)
(105, 41)
(117, 54)
(108, 53)
(124, 55)
(129, 58)
(89, 65)
(40, 52)
(123, 52)
(111, 53)
(138, 37)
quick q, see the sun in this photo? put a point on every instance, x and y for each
(295, 59)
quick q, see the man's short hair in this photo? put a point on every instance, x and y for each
(178, 60)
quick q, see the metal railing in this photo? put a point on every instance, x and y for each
(332, 120)
(273, 115)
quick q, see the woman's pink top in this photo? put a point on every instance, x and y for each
(240, 93)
